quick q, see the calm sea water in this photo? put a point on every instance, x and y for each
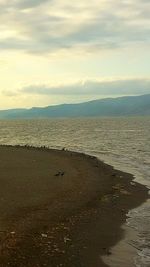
(121, 142)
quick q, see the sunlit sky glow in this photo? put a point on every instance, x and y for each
(58, 51)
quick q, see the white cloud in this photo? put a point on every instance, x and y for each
(37, 26)
(95, 87)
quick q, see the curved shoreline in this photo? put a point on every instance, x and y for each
(70, 203)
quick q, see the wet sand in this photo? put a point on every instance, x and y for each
(61, 208)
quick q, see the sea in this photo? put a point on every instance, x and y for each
(123, 142)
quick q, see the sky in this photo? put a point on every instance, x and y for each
(62, 51)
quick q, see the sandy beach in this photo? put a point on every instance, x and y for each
(61, 208)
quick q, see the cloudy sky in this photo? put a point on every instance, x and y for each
(57, 51)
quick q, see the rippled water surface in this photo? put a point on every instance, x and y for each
(121, 142)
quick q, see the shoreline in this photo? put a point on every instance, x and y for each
(71, 211)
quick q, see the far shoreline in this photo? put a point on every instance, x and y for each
(84, 216)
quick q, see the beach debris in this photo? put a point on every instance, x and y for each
(105, 198)
(57, 174)
(121, 189)
(125, 192)
(44, 235)
(66, 239)
(107, 251)
(60, 173)
(117, 186)
(13, 233)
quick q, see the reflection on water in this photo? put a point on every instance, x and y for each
(121, 142)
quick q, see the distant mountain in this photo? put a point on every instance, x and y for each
(122, 106)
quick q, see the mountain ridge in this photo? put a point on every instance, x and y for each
(120, 106)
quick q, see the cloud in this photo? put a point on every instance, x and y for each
(92, 88)
(25, 4)
(45, 95)
(45, 26)
(9, 93)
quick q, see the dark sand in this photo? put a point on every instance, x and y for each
(69, 219)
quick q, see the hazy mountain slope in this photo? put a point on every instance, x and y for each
(11, 113)
(122, 106)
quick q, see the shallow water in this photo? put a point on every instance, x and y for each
(121, 142)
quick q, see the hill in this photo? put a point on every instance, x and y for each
(122, 106)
